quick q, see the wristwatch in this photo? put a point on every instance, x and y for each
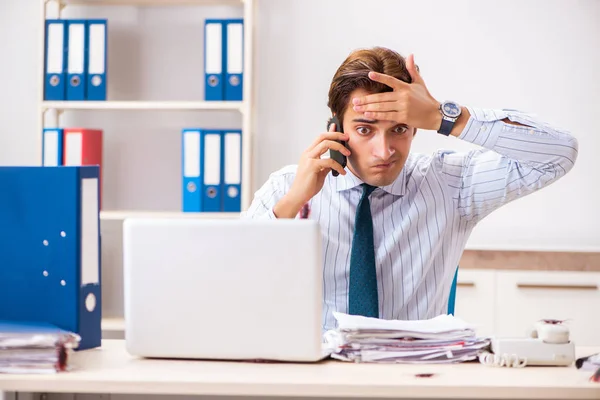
(450, 112)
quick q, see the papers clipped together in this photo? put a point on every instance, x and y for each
(34, 348)
(443, 339)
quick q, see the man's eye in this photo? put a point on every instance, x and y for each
(400, 129)
(363, 130)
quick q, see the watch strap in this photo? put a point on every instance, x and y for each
(446, 126)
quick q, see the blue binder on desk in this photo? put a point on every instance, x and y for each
(191, 151)
(76, 59)
(232, 170)
(210, 170)
(96, 59)
(234, 59)
(50, 248)
(214, 44)
(55, 60)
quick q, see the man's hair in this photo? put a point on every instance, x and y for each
(353, 74)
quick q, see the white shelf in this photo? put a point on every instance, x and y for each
(145, 105)
(121, 215)
(151, 2)
(113, 324)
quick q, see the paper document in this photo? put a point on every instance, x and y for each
(32, 347)
(442, 339)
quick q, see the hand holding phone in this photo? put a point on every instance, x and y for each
(313, 170)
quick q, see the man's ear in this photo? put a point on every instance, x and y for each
(415, 133)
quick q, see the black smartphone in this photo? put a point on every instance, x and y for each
(336, 155)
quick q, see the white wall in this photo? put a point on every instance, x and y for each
(539, 56)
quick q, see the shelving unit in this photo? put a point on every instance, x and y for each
(145, 105)
(245, 107)
(121, 215)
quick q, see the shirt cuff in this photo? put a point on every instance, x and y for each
(268, 214)
(484, 126)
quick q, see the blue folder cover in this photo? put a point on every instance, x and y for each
(97, 59)
(233, 59)
(50, 248)
(191, 151)
(76, 80)
(214, 47)
(55, 59)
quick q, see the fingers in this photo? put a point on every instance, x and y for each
(325, 145)
(413, 70)
(375, 98)
(331, 135)
(329, 164)
(387, 80)
(384, 115)
(385, 107)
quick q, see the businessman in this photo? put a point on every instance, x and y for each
(395, 223)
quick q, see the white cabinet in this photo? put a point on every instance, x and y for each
(475, 299)
(524, 297)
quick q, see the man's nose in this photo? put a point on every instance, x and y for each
(382, 148)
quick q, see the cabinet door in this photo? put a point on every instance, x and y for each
(526, 297)
(475, 299)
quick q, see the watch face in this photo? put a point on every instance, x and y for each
(451, 109)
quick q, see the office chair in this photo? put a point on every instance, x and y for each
(452, 298)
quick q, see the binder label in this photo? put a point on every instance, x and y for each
(73, 148)
(55, 50)
(96, 49)
(233, 151)
(76, 49)
(51, 149)
(214, 44)
(212, 160)
(191, 146)
(235, 50)
(89, 232)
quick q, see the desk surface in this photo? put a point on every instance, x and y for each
(110, 369)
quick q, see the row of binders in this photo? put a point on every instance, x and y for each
(75, 59)
(211, 170)
(224, 59)
(72, 147)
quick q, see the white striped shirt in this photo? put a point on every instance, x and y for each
(421, 222)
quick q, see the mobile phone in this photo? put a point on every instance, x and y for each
(336, 155)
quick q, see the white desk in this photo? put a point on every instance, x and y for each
(111, 370)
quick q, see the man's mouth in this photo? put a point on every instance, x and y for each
(384, 166)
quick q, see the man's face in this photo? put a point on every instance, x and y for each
(379, 148)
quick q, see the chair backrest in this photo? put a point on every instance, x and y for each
(452, 299)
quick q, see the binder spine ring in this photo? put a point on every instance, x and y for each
(96, 80)
(75, 81)
(54, 80)
(191, 187)
(90, 302)
(232, 192)
(213, 80)
(234, 80)
(212, 193)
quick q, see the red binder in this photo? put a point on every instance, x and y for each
(83, 146)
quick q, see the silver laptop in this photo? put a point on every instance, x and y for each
(227, 289)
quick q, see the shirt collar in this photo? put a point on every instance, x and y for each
(349, 181)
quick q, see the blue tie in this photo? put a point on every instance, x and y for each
(363, 275)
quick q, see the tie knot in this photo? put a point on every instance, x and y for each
(367, 189)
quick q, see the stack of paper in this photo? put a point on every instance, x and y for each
(443, 339)
(31, 347)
